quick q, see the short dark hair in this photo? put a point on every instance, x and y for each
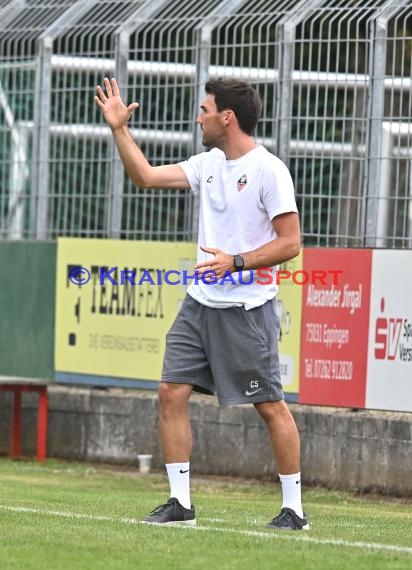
(238, 96)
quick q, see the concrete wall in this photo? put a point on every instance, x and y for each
(362, 450)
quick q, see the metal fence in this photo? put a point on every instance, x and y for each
(335, 77)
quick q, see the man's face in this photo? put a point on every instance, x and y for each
(211, 122)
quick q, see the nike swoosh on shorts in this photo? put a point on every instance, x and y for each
(247, 393)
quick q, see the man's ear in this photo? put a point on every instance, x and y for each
(229, 116)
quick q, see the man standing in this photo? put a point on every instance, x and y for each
(224, 340)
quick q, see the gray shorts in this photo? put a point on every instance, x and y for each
(232, 353)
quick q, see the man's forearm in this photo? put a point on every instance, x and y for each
(134, 161)
(272, 253)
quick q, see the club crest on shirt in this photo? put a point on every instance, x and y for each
(241, 183)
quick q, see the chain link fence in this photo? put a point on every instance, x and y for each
(335, 77)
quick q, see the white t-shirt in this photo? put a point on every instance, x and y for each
(238, 200)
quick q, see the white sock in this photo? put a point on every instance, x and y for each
(179, 480)
(291, 491)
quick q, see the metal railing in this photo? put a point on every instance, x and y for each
(335, 78)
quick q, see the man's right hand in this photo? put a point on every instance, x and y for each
(114, 110)
(137, 167)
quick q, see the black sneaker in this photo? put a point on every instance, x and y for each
(287, 519)
(171, 513)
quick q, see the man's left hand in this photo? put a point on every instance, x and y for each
(220, 264)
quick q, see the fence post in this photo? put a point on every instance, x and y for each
(286, 32)
(203, 41)
(41, 138)
(376, 212)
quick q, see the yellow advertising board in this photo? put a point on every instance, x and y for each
(289, 309)
(116, 300)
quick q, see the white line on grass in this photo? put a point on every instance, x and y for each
(301, 537)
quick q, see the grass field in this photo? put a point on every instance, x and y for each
(77, 516)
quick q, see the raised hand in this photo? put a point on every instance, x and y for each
(115, 112)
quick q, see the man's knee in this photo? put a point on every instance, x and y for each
(268, 410)
(171, 394)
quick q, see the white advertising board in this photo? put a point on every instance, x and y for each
(389, 371)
